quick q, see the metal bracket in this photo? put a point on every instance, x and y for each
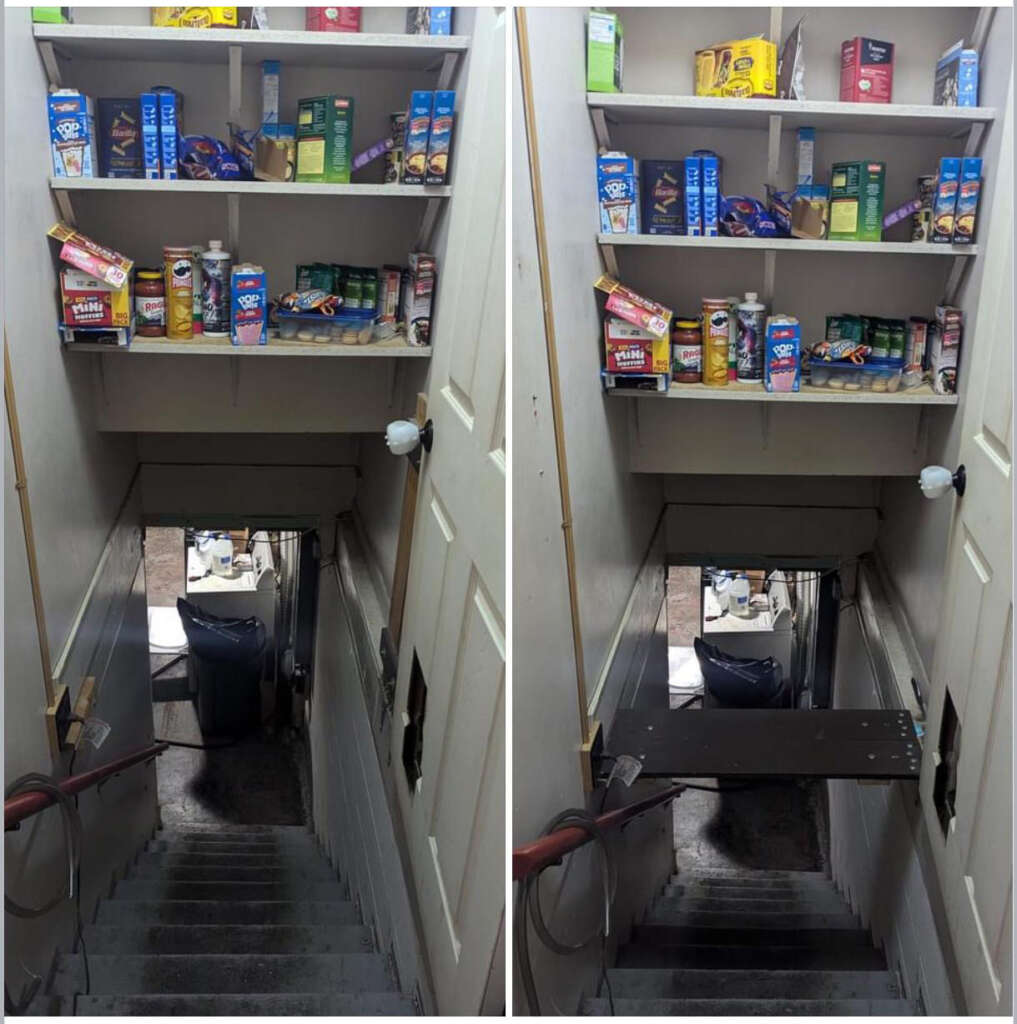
(428, 223)
(600, 128)
(610, 258)
(49, 62)
(448, 70)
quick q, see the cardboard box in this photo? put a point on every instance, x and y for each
(944, 339)
(810, 215)
(194, 17)
(332, 19)
(418, 131)
(804, 159)
(741, 68)
(782, 363)
(632, 349)
(439, 142)
(270, 98)
(694, 196)
(662, 202)
(72, 134)
(80, 251)
(633, 307)
(51, 15)
(324, 137)
(150, 153)
(944, 204)
(618, 194)
(120, 150)
(956, 83)
(866, 71)
(970, 186)
(429, 21)
(170, 127)
(88, 302)
(856, 201)
(711, 194)
(248, 305)
(604, 52)
(418, 296)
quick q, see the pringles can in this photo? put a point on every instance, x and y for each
(716, 342)
(179, 274)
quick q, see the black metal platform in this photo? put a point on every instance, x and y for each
(724, 743)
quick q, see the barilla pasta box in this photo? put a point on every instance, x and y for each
(72, 134)
(636, 309)
(418, 131)
(170, 104)
(632, 349)
(662, 203)
(968, 190)
(944, 205)
(866, 71)
(88, 302)
(248, 305)
(439, 142)
(782, 362)
(150, 159)
(618, 194)
(120, 138)
(694, 196)
(711, 194)
(80, 251)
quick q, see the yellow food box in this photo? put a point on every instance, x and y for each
(194, 17)
(741, 68)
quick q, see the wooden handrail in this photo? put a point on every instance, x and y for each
(551, 848)
(26, 804)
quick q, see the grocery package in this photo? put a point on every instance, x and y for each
(80, 251)
(630, 306)
(89, 302)
(970, 186)
(810, 216)
(956, 82)
(439, 141)
(944, 204)
(914, 352)
(72, 133)
(751, 334)
(275, 158)
(742, 67)
(254, 18)
(631, 349)
(805, 151)
(866, 71)
(332, 19)
(710, 170)
(178, 270)
(716, 321)
(921, 222)
(694, 196)
(270, 72)
(872, 375)
(782, 366)
(418, 131)
(150, 152)
(418, 295)
(745, 217)
(604, 52)
(856, 200)
(944, 349)
(395, 156)
(324, 137)
(905, 210)
(243, 144)
(791, 67)
(687, 350)
(120, 138)
(249, 305)
(779, 205)
(661, 197)
(389, 287)
(51, 15)
(170, 122)
(204, 158)
(618, 194)
(194, 17)
(150, 303)
(429, 21)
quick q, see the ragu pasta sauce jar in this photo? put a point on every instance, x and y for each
(149, 304)
(687, 350)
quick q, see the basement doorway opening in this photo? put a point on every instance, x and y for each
(778, 825)
(230, 655)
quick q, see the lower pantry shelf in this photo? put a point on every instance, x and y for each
(394, 348)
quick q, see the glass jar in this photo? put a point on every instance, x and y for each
(149, 304)
(687, 350)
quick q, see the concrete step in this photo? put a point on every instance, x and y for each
(734, 876)
(314, 871)
(219, 858)
(162, 889)
(749, 1008)
(368, 1004)
(751, 984)
(721, 904)
(770, 958)
(280, 848)
(665, 934)
(204, 829)
(231, 938)
(224, 973)
(124, 912)
(665, 913)
(760, 885)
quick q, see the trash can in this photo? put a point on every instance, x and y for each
(226, 659)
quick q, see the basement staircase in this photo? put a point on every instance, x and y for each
(239, 920)
(750, 943)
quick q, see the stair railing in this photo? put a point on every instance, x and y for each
(24, 805)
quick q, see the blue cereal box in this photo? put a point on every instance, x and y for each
(782, 363)
(72, 134)
(151, 162)
(169, 130)
(618, 194)
(248, 305)
(418, 131)
(944, 206)
(967, 200)
(440, 141)
(711, 194)
(694, 196)
(956, 83)
(662, 207)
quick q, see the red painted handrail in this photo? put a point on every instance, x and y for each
(26, 804)
(551, 848)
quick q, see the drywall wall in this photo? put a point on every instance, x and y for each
(914, 534)
(379, 503)
(546, 715)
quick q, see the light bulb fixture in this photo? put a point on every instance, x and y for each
(935, 481)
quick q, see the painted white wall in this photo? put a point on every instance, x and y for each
(379, 502)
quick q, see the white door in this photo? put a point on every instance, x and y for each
(452, 647)
(966, 775)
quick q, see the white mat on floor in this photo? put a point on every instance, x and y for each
(165, 632)
(683, 675)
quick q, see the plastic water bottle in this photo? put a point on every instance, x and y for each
(222, 556)
(722, 591)
(738, 601)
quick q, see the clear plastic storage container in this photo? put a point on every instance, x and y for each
(873, 375)
(346, 329)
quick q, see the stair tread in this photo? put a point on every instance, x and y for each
(755, 919)
(237, 912)
(747, 983)
(644, 955)
(728, 904)
(211, 858)
(663, 933)
(167, 889)
(288, 1004)
(220, 828)
(313, 871)
(750, 1007)
(237, 939)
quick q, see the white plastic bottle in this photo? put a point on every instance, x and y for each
(215, 290)
(722, 590)
(222, 555)
(751, 339)
(738, 600)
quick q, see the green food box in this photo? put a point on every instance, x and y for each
(51, 15)
(324, 139)
(604, 52)
(856, 201)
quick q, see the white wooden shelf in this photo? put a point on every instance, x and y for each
(787, 245)
(721, 112)
(393, 349)
(735, 392)
(186, 186)
(211, 46)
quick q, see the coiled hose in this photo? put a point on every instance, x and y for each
(528, 907)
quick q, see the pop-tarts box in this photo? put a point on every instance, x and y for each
(169, 131)
(72, 134)
(694, 196)
(711, 194)
(150, 135)
(618, 194)
(782, 356)
(248, 305)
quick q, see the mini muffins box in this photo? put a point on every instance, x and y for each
(782, 363)
(324, 139)
(632, 349)
(694, 196)
(150, 154)
(866, 71)
(944, 204)
(741, 68)
(72, 134)
(248, 305)
(88, 302)
(956, 83)
(418, 132)
(439, 143)
(856, 201)
(604, 52)
(663, 210)
(970, 186)
(120, 138)
(618, 194)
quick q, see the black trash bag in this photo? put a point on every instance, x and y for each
(741, 682)
(209, 636)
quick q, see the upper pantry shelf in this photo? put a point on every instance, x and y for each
(288, 188)
(211, 46)
(788, 245)
(868, 118)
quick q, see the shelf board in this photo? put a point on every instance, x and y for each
(788, 245)
(721, 112)
(735, 392)
(276, 347)
(395, 51)
(266, 188)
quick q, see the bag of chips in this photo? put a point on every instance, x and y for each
(207, 159)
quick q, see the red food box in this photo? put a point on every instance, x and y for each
(332, 19)
(866, 71)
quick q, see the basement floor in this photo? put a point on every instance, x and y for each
(260, 780)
